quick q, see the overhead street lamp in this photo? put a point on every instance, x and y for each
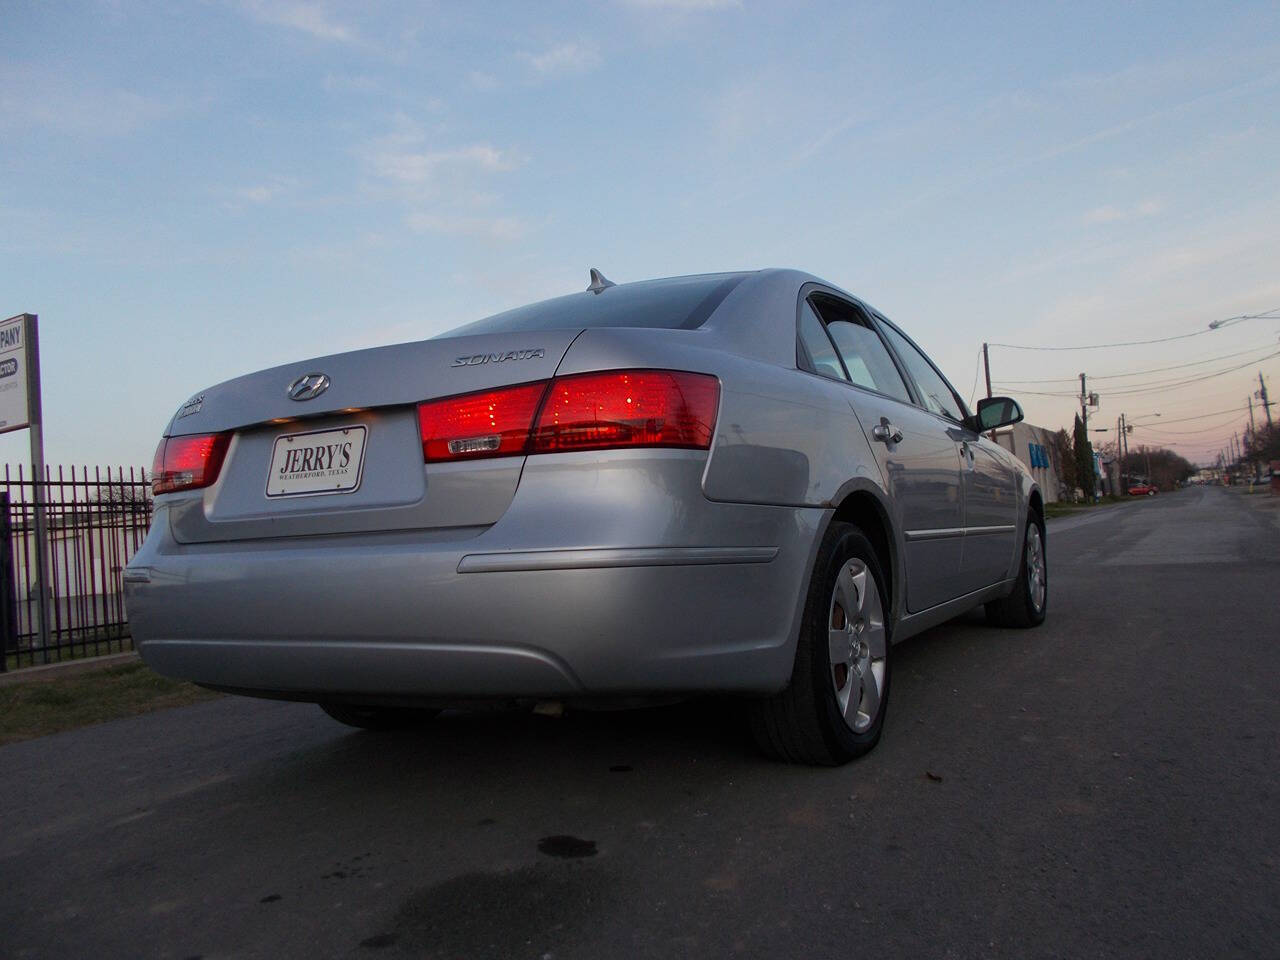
(1267, 315)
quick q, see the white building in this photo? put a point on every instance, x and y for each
(1034, 447)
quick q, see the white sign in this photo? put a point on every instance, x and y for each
(317, 462)
(14, 409)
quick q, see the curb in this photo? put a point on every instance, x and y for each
(55, 671)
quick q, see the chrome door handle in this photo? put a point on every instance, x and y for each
(886, 432)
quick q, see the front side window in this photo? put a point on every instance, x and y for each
(863, 352)
(937, 394)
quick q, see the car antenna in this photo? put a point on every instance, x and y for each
(599, 282)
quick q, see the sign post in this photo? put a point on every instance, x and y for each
(20, 409)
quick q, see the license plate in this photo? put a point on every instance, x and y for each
(319, 462)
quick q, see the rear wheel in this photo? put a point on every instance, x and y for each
(378, 718)
(1026, 606)
(833, 709)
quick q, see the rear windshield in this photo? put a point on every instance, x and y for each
(681, 303)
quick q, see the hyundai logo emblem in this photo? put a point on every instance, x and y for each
(308, 386)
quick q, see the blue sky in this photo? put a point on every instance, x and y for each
(192, 191)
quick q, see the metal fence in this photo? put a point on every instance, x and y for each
(96, 519)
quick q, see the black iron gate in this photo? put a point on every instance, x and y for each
(96, 520)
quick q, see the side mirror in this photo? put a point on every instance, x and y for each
(995, 412)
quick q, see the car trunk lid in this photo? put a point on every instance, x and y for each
(366, 408)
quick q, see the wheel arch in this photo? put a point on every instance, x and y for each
(863, 505)
(1035, 504)
(1035, 510)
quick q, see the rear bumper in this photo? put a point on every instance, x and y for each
(609, 574)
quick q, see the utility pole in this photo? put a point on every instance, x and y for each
(986, 365)
(1091, 488)
(1084, 409)
(1120, 484)
(1262, 393)
(1124, 446)
(1253, 429)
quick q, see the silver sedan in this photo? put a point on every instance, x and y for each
(748, 483)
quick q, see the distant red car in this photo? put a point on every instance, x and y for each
(1143, 490)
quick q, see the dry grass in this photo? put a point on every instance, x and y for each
(44, 706)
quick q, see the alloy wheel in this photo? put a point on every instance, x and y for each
(857, 645)
(1036, 580)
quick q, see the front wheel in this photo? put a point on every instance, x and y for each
(833, 709)
(1026, 605)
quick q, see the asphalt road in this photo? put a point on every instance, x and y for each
(1104, 786)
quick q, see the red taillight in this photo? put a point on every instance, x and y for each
(188, 463)
(628, 408)
(494, 423)
(588, 411)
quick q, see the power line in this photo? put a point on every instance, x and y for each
(1138, 373)
(1202, 416)
(1104, 346)
(1036, 393)
(1154, 386)
(1160, 386)
(1160, 431)
(1214, 325)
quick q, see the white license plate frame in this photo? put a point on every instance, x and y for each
(320, 471)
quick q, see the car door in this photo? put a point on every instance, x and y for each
(919, 460)
(988, 480)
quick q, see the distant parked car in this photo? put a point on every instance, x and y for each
(1143, 490)
(749, 483)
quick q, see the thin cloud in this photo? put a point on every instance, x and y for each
(571, 57)
(255, 194)
(443, 191)
(31, 97)
(337, 83)
(487, 228)
(424, 167)
(1110, 214)
(310, 18)
(685, 6)
(259, 194)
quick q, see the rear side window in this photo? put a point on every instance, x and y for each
(865, 356)
(680, 303)
(937, 393)
(821, 355)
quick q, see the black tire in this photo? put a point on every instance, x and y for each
(804, 723)
(1019, 608)
(378, 718)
